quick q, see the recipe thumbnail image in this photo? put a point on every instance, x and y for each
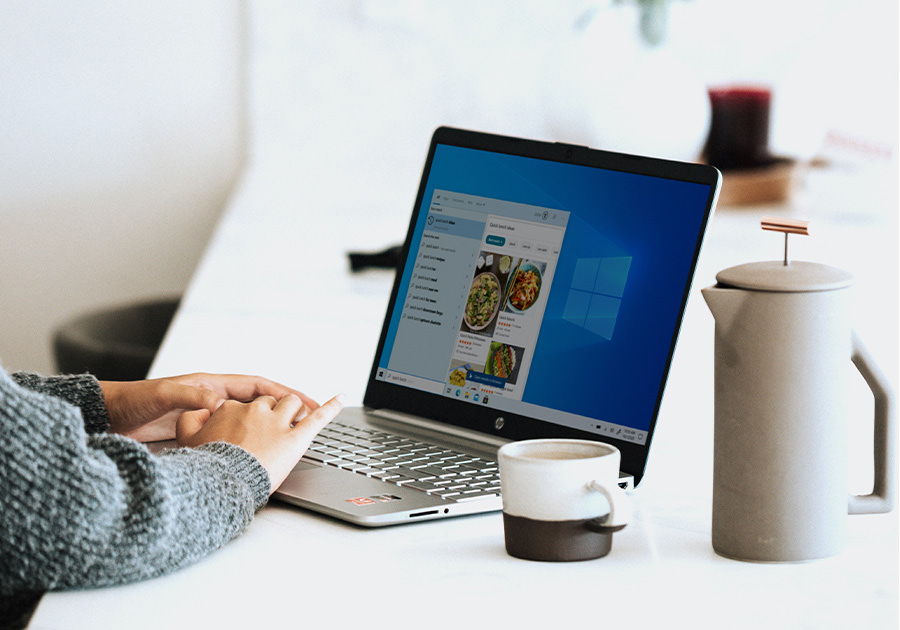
(486, 293)
(459, 372)
(503, 361)
(525, 286)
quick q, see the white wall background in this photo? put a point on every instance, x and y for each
(121, 125)
(121, 132)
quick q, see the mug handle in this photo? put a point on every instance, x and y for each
(619, 505)
(881, 500)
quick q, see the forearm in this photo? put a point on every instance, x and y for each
(121, 514)
(81, 511)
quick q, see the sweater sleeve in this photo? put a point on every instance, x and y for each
(84, 511)
(81, 390)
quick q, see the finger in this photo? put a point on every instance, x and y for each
(254, 386)
(190, 397)
(316, 420)
(188, 424)
(267, 401)
(266, 387)
(305, 400)
(230, 386)
(308, 402)
(244, 388)
(288, 407)
(171, 395)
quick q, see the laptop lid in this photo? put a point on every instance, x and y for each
(541, 289)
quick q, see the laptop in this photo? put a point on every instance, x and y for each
(539, 293)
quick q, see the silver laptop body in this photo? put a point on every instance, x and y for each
(539, 293)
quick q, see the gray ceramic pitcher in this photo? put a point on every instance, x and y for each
(782, 342)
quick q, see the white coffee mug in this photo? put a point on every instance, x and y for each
(561, 499)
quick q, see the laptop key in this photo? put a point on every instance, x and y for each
(412, 474)
(424, 486)
(315, 457)
(384, 475)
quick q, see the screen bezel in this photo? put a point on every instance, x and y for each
(505, 425)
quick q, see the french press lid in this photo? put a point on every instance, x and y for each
(785, 276)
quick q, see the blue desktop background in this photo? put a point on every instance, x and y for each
(653, 221)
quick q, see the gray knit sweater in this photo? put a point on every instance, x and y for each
(82, 508)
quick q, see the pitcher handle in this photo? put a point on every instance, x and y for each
(881, 499)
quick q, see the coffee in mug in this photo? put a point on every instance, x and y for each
(561, 499)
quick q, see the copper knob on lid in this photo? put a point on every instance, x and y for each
(788, 226)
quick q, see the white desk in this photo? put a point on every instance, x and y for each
(273, 296)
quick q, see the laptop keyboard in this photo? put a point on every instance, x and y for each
(436, 470)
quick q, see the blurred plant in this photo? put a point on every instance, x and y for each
(654, 18)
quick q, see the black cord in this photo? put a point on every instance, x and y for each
(385, 259)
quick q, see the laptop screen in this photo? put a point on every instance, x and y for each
(542, 289)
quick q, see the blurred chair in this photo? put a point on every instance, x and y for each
(114, 344)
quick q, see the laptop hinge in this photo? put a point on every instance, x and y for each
(448, 432)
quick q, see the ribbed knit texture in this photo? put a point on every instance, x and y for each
(84, 508)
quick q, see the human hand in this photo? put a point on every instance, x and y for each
(271, 430)
(147, 410)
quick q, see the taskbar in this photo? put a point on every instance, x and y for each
(474, 394)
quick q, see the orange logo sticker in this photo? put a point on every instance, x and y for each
(360, 501)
